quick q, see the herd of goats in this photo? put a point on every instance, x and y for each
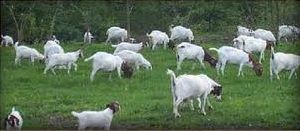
(185, 87)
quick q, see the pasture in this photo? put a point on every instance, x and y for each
(46, 101)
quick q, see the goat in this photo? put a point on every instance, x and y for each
(186, 87)
(87, 37)
(280, 61)
(244, 31)
(7, 40)
(26, 52)
(187, 50)
(68, 59)
(285, 31)
(135, 47)
(108, 62)
(158, 37)
(13, 121)
(55, 40)
(134, 58)
(265, 35)
(232, 55)
(51, 47)
(116, 33)
(181, 33)
(100, 119)
(251, 44)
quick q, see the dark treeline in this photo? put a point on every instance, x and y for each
(34, 21)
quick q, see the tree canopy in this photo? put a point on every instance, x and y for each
(34, 21)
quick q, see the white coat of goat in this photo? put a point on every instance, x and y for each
(13, 121)
(285, 31)
(265, 35)
(51, 47)
(187, 50)
(244, 31)
(100, 119)
(181, 33)
(55, 40)
(233, 55)
(251, 44)
(7, 40)
(283, 61)
(87, 37)
(158, 37)
(26, 52)
(116, 33)
(105, 62)
(187, 87)
(134, 58)
(68, 59)
(135, 47)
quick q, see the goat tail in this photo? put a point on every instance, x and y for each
(114, 46)
(173, 84)
(16, 44)
(88, 59)
(215, 49)
(75, 114)
(13, 109)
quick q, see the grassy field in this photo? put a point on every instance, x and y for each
(46, 101)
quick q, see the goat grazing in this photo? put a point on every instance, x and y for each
(51, 47)
(135, 47)
(251, 44)
(13, 121)
(134, 58)
(232, 55)
(187, 87)
(187, 50)
(181, 33)
(116, 33)
(158, 37)
(285, 31)
(265, 35)
(7, 40)
(244, 31)
(107, 62)
(26, 52)
(68, 59)
(99, 119)
(280, 61)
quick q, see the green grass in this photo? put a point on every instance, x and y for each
(46, 101)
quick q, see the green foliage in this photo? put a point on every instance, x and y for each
(68, 20)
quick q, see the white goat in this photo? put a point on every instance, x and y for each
(51, 47)
(285, 31)
(251, 44)
(13, 121)
(87, 37)
(116, 33)
(158, 37)
(244, 31)
(187, 87)
(100, 119)
(232, 55)
(189, 51)
(265, 35)
(105, 62)
(181, 33)
(134, 58)
(68, 59)
(280, 61)
(135, 47)
(26, 52)
(7, 40)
